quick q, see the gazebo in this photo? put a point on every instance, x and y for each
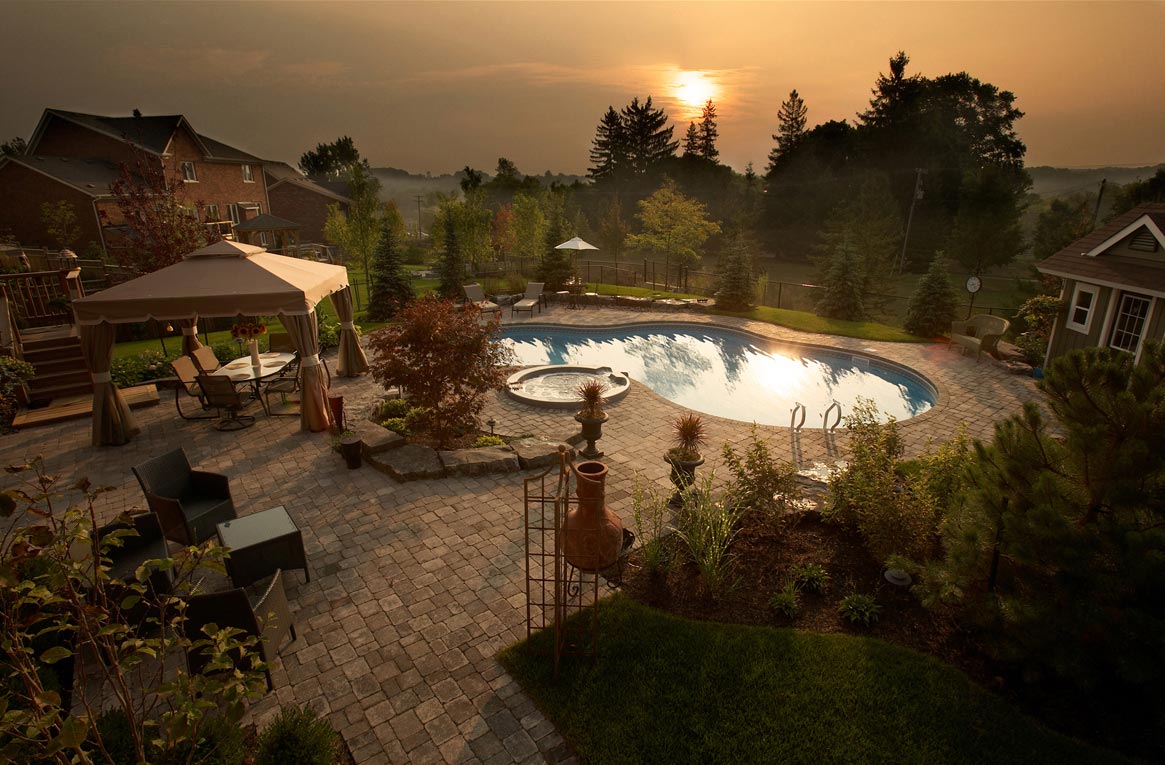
(224, 279)
(270, 231)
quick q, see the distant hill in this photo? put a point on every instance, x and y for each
(1060, 181)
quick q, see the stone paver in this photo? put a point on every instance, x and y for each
(417, 585)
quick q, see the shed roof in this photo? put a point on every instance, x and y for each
(1076, 262)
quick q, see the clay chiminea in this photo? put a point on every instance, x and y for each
(593, 534)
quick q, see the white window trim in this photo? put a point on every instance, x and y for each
(1093, 290)
(193, 172)
(234, 213)
(1119, 298)
(248, 174)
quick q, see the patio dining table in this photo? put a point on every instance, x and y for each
(241, 371)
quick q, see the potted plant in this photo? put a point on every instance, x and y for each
(591, 416)
(351, 446)
(689, 434)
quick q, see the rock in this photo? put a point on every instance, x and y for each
(480, 461)
(377, 438)
(410, 462)
(1018, 368)
(536, 453)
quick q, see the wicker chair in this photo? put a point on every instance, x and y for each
(188, 503)
(221, 393)
(267, 617)
(205, 359)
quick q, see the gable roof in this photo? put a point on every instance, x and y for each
(89, 176)
(283, 173)
(220, 150)
(1082, 260)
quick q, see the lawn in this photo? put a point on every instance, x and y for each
(809, 322)
(670, 690)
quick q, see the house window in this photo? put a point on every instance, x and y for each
(263, 238)
(188, 173)
(1082, 307)
(247, 177)
(233, 211)
(212, 213)
(1131, 317)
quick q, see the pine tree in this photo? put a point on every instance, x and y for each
(692, 141)
(842, 298)
(609, 147)
(933, 303)
(709, 133)
(556, 266)
(451, 263)
(648, 141)
(736, 285)
(791, 120)
(390, 288)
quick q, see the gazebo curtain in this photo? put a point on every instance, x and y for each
(352, 360)
(190, 341)
(112, 421)
(314, 414)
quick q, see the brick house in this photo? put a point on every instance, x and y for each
(75, 157)
(296, 198)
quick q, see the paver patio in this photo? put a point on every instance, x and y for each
(416, 586)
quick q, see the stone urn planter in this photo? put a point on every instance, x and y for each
(683, 475)
(351, 446)
(593, 535)
(592, 430)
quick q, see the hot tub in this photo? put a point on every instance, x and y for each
(555, 386)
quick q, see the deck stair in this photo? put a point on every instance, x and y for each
(55, 353)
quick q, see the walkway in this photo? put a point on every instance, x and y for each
(416, 586)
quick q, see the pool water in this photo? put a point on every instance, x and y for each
(730, 374)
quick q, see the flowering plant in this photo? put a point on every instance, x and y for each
(248, 330)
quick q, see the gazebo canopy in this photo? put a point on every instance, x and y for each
(221, 279)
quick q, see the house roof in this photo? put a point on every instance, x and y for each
(283, 173)
(89, 176)
(220, 150)
(1079, 261)
(267, 222)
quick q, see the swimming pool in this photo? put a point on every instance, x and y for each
(728, 373)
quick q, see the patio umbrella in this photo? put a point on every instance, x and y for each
(223, 279)
(575, 244)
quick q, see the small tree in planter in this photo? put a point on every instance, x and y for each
(689, 434)
(592, 416)
(446, 357)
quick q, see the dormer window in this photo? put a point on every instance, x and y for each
(188, 174)
(247, 176)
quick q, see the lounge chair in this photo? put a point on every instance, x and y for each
(979, 333)
(205, 360)
(532, 299)
(474, 294)
(267, 617)
(189, 503)
(221, 393)
(185, 385)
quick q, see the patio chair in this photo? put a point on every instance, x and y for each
(284, 385)
(267, 617)
(185, 385)
(474, 294)
(189, 503)
(221, 393)
(532, 299)
(978, 333)
(280, 342)
(205, 360)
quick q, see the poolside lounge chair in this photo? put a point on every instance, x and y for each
(532, 299)
(189, 503)
(474, 294)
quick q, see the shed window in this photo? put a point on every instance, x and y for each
(1130, 322)
(1082, 307)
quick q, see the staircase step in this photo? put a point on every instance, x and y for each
(49, 365)
(60, 391)
(64, 377)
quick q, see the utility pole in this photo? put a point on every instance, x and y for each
(919, 172)
(418, 198)
(1099, 196)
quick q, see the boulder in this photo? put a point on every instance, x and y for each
(480, 461)
(377, 438)
(410, 462)
(537, 453)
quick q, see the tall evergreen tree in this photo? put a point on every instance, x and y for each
(451, 262)
(556, 266)
(692, 141)
(842, 297)
(390, 288)
(870, 222)
(791, 120)
(933, 303)
(737, 288)
(609, 148)
(648, 136)
(709, 133)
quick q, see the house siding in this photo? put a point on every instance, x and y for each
(303, 206)
(219, 182)
(23, 191)
(1065, 339)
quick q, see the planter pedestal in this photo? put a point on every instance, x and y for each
(683, 477)
(592, 430)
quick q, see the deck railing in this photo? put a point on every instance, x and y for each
(41, 298)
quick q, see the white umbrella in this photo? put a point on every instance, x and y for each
(576, 244)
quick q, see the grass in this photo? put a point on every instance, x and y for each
(809, 322)
(669, 690)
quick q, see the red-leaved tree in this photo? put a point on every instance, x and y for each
(162, 224)
(445, 357)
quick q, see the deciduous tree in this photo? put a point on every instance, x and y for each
(60, 222)
(674, 226)
(358, 229)
(333, 160)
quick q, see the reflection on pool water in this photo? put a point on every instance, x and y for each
(727, 373)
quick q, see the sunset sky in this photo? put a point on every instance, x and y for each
(437, 86)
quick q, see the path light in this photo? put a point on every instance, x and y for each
(491, 422)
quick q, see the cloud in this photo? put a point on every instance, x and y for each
(216, 66)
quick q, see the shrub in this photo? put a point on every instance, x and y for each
(735, 283)
(489, 441)
(688, 434)
(114, 731)
(329, 334)
(1038, 315)
(394, 407)
(786, 601)
(14, 373)
(760, 482)
(220, 742)
(649, 511)
(447, 359)
(396, 424)
(842, 296)
(708, 526)
(857, 608)
(811, 576)
(228, 350)
(933, 303)
(297, 736)
(129, 371)
(591, 392)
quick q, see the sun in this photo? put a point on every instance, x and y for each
(694, 88)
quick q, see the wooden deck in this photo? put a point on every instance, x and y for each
(76, 407)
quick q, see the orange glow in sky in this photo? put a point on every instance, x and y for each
(694, 89)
